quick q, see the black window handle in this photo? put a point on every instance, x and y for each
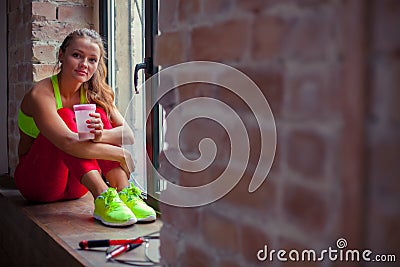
(146, 65)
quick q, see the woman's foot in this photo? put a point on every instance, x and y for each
(132, 197)
(111, 210)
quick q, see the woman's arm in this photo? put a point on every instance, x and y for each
(120, 134)
(43, 110)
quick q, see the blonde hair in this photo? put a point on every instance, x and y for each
(97, 90)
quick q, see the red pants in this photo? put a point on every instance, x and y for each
(47, 173)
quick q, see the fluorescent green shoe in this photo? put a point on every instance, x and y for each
(132, 197)
(110, 210)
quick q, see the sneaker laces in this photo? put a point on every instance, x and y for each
(111, 198)
(135, 193)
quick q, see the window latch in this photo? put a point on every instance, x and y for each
(147, 65)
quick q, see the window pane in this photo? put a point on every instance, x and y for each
(128, 50)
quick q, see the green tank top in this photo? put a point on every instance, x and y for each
(27, 124)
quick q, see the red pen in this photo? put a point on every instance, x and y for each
(85, 244)
(121, 249)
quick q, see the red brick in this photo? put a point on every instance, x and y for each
(225, 41)
(166, 169)
(262, 201)
(14, 5)
(170, 48)
(199, 128)
(13, 73)
(13, 125)
(14, 18)
(247, 90)
(385, 25)
(168, 15)
(19, 94)
(270, 81)
(19, 89)
(28, 54)
(190, 137)
(305, 208)
(169, 252)
(41, 71)
(78, 14)
(19, 54)
(170, 99)
(269, 37)
(184, 219)
(260, 6)
(232, 100)
(188, 10)
(22, 72)
(52, 32)
(27, 14)
(192, 90)
(194, 179)
(47, 10)
(255, 6)
(22, 32)
(311, 38)
(310, 3)
(383, 226)
(30, 83)
(277, 160)
(194, 256)
(88, 3)
(252, 239)
(383, 155)
(217, 7)
(383, 98)
(44, 53)
(220, 232)
(312, 93)
(228, 263)
(306, 152)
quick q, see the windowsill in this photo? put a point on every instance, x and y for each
(67, 223)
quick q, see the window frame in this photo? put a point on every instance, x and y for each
(106, 26)
(4, 167)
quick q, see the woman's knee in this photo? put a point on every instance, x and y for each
(66, 113)
(68, 116)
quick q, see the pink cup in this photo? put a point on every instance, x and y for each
(82, 112)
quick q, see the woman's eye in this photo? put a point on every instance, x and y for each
(93, 60)
(76, 55)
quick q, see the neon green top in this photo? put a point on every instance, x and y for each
(27, 124)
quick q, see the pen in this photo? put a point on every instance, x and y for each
(121, 249)
(85, 244)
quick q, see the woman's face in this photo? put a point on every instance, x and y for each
(80, 59)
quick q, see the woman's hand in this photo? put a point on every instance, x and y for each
(96, 125)
(127, 162)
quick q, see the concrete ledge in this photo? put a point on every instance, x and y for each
(48, 234)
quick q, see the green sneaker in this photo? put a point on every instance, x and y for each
(110, 210)
(132, 197)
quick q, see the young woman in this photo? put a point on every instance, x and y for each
(53, 163)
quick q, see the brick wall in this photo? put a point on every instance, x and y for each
(35, 31)
(383, 128)
(329, 70)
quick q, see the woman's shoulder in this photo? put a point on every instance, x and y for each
(41, 91)
(43, 88)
